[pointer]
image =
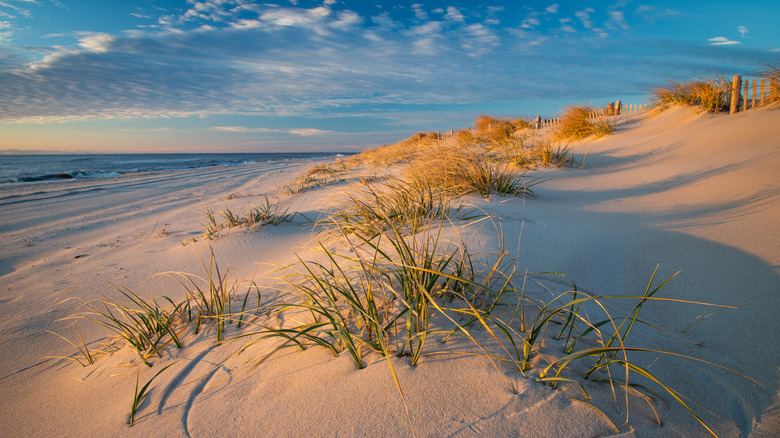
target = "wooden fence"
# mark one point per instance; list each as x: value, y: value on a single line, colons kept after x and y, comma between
x: 613, y: 109
x: 751, y: 93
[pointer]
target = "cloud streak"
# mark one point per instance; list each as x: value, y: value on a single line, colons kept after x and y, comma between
x: 722, y: 41
x: 303, y: 132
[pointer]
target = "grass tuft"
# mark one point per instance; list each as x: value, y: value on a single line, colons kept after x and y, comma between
x: 267, y: 213
x: 146, y: 326
x: 772, y: 75
x: 209, y: 298
x: 83, y: 350
x: 371, y: 208
x: 706, y: 95
x: 576, y: 123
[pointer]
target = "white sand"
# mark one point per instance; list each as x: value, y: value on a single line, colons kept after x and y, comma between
x: 696, y: 194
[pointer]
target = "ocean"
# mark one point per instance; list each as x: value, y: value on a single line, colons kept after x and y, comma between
x: 34, y: 168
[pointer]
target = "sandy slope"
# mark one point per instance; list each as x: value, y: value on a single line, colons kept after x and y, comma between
x: 695, y: 194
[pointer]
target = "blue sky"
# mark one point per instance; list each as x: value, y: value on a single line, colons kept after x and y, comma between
x: 338, y: 75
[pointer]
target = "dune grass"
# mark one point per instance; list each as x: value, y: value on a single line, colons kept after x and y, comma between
x: 83, y: 350
x: 706, y: 95
x: 266, y: 213
x: 369, y: 209
x: 143, y: 324
x: 210, y: 298
x: 576, y: 123
x: 385, y: 290
x: 402, y: 290
x: 461, y: 169
x: 772, y: 75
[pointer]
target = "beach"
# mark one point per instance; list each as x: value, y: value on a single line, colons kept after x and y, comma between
x: 667, y: 192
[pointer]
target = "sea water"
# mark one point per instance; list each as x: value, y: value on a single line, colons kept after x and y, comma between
x: 33, y: 168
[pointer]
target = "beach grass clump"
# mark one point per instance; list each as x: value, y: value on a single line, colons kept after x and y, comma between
x: 88, y: 356
x: 706, y: 95
x: 492, y: 130
x: 549, y: 155
x: 210, y: 298
x: 397, y: 153
x: 143, y: 324
x: 527, y: 151
x: 473, y: 175
x: 577, y: 123
x: 604, y: 125
x: 405, y: 203
x: 384, y: 291
x: 320, y: 175
x: 574, y: 123
x: 267, y: 213
x: 772, y: 75
x: 149, y: 327
x: 461, y: 169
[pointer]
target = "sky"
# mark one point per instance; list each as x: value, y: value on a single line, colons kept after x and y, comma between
x: 120, y: 76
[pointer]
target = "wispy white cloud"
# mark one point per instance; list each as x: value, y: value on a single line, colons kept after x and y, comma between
x: 566, y: 25
x: 552, y: 9
x: 584, y: 16
x: 385, y: 22
x: 96, y: 42
x: 303, y: 132
x: 722, y: 41
x: 419, y: 12
x: 530, y: 22
x: 14, y: 9
x: 617, y: 20
x: 453, y: 14
x: 479, y: 39
x: 743, y: 31
x: 6, y: 32
x: 296, y: 17
x: 346, y: 20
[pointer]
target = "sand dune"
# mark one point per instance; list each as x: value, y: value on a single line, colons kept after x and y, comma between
x: 699, y: 194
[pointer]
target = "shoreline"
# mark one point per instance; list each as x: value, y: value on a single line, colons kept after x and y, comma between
x: 101, y: 166
x: 695, y: 194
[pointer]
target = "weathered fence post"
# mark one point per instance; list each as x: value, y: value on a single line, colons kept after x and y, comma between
x: 538, y: 123
x: 745, y: 97
x: 763, y: 92
x: 735, y: 86
x: 618, y: 108
x: 755, y: 95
